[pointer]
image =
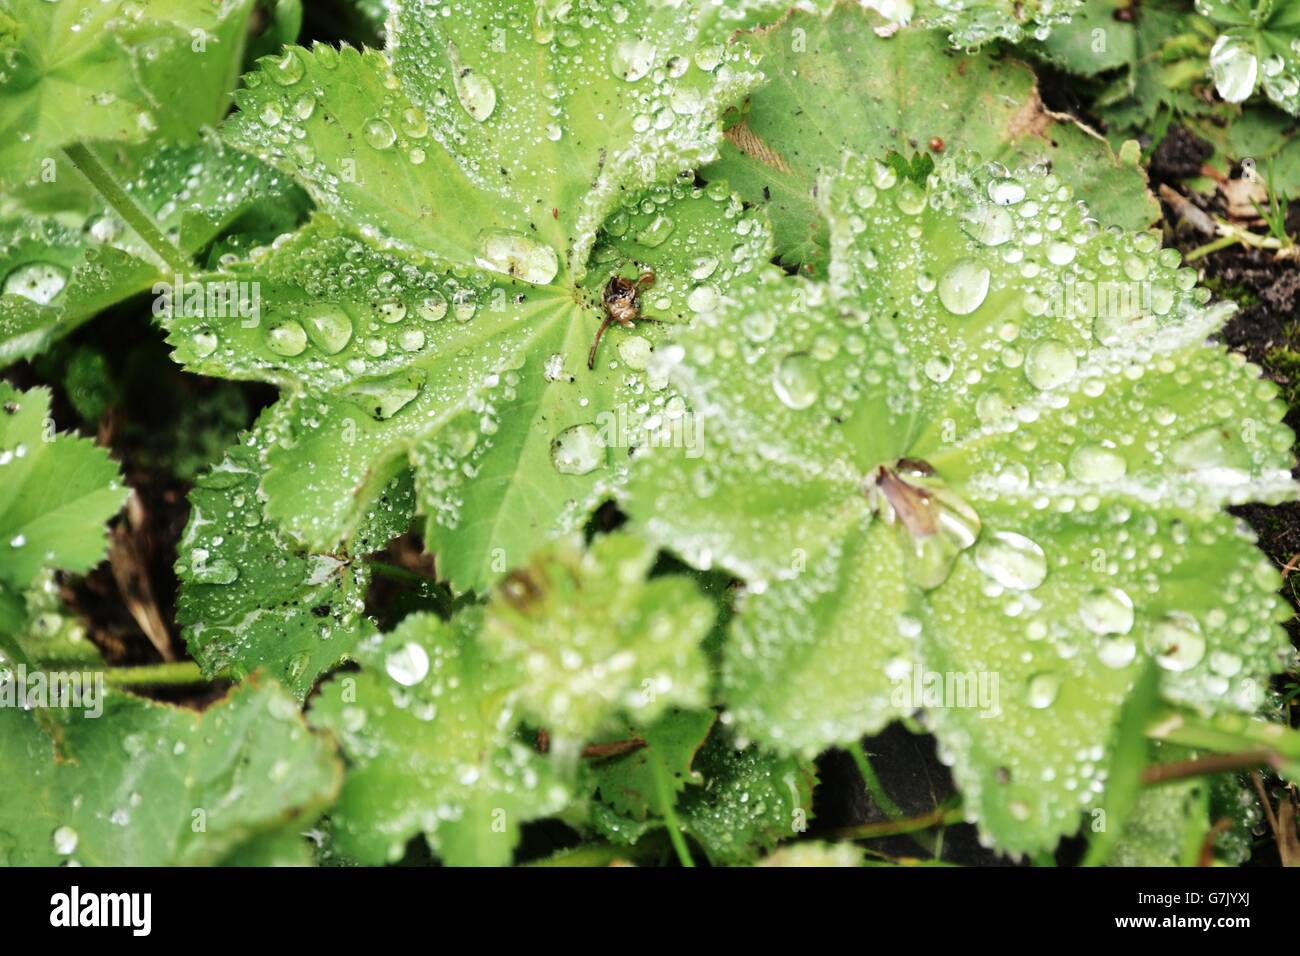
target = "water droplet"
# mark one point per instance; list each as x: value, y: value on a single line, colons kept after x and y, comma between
x: 329, y: 327
x: 635, y: 351
x: 408, y: 664
x: 382, y: 398
x: 1050, y: 363
x: 938, y: 368
x: 287, y: 338
x: 1006, y: 192
x: 219, y: 571
x: 379, y: 133
x: 38, y: 281
x: 1117, y: 652
x: 1043, y: 689
x: 703, y: 298
x: 578, y: 450
x: 287, y: 70
x: 517, y: 255
x: 964, y: 287
x: 1107, y: 611
x: 987, y: 224
x: 1012, y: 560
x: 434, y: 307
x: 796, y: 382
x: 476, y: 93
x: 65, y: 840
x: 1097, y: 463
x: 1235, y: 68
x: 1218, y: 453
x: 632, y: 59
x: 464, y: 304
x: 1176, y: 642
x: 656, y: 232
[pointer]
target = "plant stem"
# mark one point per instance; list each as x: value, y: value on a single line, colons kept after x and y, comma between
x: 888, y: 806
x: 1232, y: 734
x: 938, y: 817
x: 1213, y: 246
x: 668, y: 800
x: 125, y: 206
x: 178, y: 674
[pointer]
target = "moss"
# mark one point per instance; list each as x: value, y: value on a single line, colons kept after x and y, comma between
x: 1282, y: 362
x: 1236, y: 292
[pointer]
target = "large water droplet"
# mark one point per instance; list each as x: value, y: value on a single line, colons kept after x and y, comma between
x: 1012, y: 560
x: 632, y: 59
x: 1176, y: 642
x: 219, y: 571
x: 796, y: 382
x: 1107, y: 611
x: 963, y: 288
x: 578, y: 450
x: 1043, y: 689
x: 1235, y: 68
x: 1218, y: 453
x: 516, y: 255
x: 1097, y: 463
x: 288, y: 338
x: 65, y: 840
x: 384, y: 397
x: 38, y: 281
x: 287, y: 70
x: 988, y: 224
x: 408, y: 664
x: 379, y: 133
x: 329, y: 327
x: 1050, y: 363
x: 476, y: 93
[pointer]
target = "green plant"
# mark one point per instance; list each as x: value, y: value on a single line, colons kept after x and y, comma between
x: 893, y: 384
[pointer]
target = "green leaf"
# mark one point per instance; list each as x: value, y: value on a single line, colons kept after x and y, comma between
x: 42, y: 629
x: 249, y: 599
x: 750, y: 799
x: 972, y: 23
x: 59, y: 490
x: 736, y: 803
x: 596, y: 643
x: 979, y: 472
x: 66, y: 255
x: 426, y: 726
x: 149, y: 784
x: 81, y: 70
x: 1256, y: 48
x: 637, y: 786
x: 461, y: 346
x: 821, y: 102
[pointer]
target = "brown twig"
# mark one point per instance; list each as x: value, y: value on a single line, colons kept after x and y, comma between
x: 1215, y: 763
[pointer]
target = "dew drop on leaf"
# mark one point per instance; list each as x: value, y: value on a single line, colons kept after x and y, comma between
x: 1011, y: 560
x: 65, y: 840
x: 1050, y: 363
x: 1043, y: 689
x: 329, y: 327
x: 632, y: 59
x: 578, y: 450
x: 1235, y: 68
x: 796, y: 382
x: 476, y: 93
x: 515, y: 255
x: 408, y: 664
x: 963, y: 288
x: 1176, y: 642
x: 288, y: 338
x: 38, y: 281
x: 1107, y: 611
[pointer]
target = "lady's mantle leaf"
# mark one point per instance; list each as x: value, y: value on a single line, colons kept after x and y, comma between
x: 982, y: 473
x: 595, y: 642
x: 148, y: 784
x: 56, y: 493
x: 83, y: 70
x: 1259, y: 46
x: 487, y: 156
x: 836, y: 85
x: 735, y: 803
x: 65, y: 256
x: 250, y: 600
x: 427, y: 726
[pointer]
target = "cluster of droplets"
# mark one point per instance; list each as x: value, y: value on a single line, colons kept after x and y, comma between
x: 972, y: 23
